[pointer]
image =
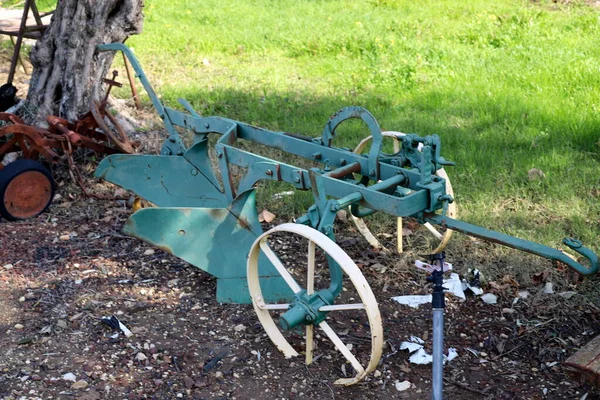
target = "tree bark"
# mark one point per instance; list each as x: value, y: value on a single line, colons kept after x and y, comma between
x: 67, y: 69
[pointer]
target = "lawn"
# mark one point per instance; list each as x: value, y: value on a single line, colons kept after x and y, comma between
x: 508, y: 85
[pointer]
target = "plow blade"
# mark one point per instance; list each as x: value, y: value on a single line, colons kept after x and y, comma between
x: 165, y: 181
x: 216, y: 240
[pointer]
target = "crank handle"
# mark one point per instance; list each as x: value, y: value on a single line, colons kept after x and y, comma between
x: 577, y: 246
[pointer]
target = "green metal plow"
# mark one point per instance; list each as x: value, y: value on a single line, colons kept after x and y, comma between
x: 212, y: 223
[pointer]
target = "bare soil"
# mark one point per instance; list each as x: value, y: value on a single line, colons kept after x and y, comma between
x: 61, y: 272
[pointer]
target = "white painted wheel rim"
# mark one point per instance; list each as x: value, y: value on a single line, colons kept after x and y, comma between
x: 369, y: 303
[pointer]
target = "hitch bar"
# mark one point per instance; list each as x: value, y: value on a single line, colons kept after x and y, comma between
x: 524, y: 245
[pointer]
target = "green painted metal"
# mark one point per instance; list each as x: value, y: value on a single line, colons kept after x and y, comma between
x: 212, y: 224
x: 525, y: 245
x: 305, y: 309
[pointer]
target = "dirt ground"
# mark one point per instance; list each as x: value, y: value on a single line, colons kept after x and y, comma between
x: 61, y: 272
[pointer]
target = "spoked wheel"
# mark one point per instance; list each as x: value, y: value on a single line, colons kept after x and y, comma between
x: 309, y: 309
x: 442, y: 237
x: 118, y: 137
x: 26, y: 189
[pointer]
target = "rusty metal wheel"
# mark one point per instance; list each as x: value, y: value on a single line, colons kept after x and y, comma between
x: 26, y: 189
x: 118, y: 137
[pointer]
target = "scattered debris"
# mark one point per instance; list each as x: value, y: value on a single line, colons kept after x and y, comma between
x: 413, y: 301
x: 266, y: 216
x: 114, y: 323
x: 489, y: 298
x: 419, y: 356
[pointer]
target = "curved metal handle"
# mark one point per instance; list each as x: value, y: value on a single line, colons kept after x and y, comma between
x: 360, y: 113
x: 577, y: 246
x: 524, y: 245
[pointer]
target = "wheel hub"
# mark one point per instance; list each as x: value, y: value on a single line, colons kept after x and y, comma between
x: 27, y: 194
x: 305, y: 309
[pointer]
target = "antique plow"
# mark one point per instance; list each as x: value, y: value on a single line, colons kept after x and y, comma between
x: 212, y: 223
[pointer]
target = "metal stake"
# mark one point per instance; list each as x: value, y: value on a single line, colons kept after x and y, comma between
x: 438, y: 304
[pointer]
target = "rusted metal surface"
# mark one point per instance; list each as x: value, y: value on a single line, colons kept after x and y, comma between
x: 90, y: 132
x: 28, y: 194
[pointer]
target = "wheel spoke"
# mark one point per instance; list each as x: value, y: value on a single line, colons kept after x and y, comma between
x: 433, y: 231
x: 343, y: 307
x: 260, y: 302
x: 279, y: 266
x: 310, y: 278
x: 309, y: 344
x: 341, y: 347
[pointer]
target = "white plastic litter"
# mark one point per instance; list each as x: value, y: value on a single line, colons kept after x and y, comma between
x: 548, y: 288
x: 489, y: 298
x: 420, y: 356
x: 567, y: 295
x: 413, y: 301
x: 453, y: 284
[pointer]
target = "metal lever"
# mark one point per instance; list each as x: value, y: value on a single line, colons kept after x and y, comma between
x: 524, y: 245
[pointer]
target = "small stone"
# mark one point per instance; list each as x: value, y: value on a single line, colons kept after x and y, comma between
x: 8, y: 266
x: 149, y: 252
x: 377, y: 373
x: 19, y: 327
x: 218, y: 374
x: 69, y: 377
x: 188, y: 382
x: 239, y: 328
x: 79, y: 385
x: 21, y: 299
x: 61, y: 323
x: 64, y: 238
x: 402, y: 386
x: 36, y: 378
x: 172, y: 283
x: 141, y: 356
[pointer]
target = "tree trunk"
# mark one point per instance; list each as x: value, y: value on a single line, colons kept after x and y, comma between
x: 67, y: 69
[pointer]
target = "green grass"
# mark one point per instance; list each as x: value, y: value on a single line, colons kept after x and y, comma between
x: 508, y: 85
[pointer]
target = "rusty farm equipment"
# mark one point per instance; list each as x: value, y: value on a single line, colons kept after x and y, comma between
x: 212, y: 223
x: 26, y: 185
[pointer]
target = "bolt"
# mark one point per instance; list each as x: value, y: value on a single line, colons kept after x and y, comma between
x: 372, y: 172
x: 308, y: 318
x: 297, y: 179
x: 269, y: 172
x: 172, y: 139
x: 335, y: 207
x: 342, y: 162
x: 219, y: 154
x: 194, y: 172
x: 207, y: 125
x: 180, y: 153
x: 317, y: 156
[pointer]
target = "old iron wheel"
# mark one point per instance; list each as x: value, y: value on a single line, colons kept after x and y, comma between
x: 452, y: 212
x: 368, y: 302
x: 118, y: 139
x: 26, y: 189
